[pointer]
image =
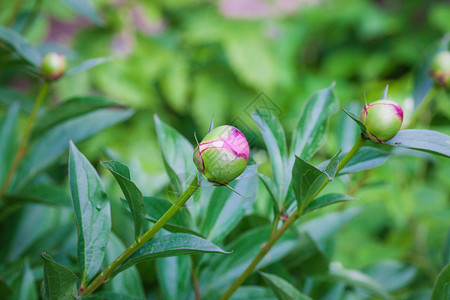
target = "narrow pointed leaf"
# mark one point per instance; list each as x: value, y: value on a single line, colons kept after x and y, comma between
x: 211, y: 125
x: 283, y: 289
x: 355, y: 118
x: 48, y: 147
x: 24, y: 287
x: 310, y: 132
x: 59, y: 282
x: 84, y: 8
x: 326, y: 200
x: 170, y: 245
x: 177, y: 155
x: 92, y: 211
x: 441, y: 289
x: 357, y: 279
x: 70, y: 109
x: 88, y: 64
x: 8, y: 128
x: 423, y: 140
x: 307, y: 179
x: 275, y: 141
x: 131, y: 192
x: 385, y: 92
x: 21, y: 46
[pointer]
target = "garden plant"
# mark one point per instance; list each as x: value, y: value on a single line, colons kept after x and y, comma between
x: 243, y: 211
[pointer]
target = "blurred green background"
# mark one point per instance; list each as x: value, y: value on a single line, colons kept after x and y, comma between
x: 186, y: 60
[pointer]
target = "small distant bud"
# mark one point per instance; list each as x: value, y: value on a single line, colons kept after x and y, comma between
x: 53, y: 66
x: 222, y: 155
x: 440, y: 69
x: 383, y: 119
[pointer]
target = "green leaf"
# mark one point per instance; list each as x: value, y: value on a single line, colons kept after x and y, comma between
x: 41, y: 193
x: 24, y: 287
x: 8, y: 133
x: 70, y: 109
x: 130, y: 191
x: 275, y: 140
x: 9, y: 96
x: 174, y: 276
x: 156, y: 208
x: 446, y: 250
x: 356, y: 119
x: 46, y: 149
x: 20, y: 46
x: 253, y: 292
x: 423, y: 140
x: 177, y: 154
x: 226, y: 208
x: 106, y: 295
x: 385, y: 92
x: 92, y: 212
x: 5, y: 290
x: 59, y: 282
x: 88, y: 64
x: 223, y: 270
x: 326, y: 200
x: 273, y: 191
x: 366, y: 158
x: 311, y: 130
x: 357, y: 279
x: 283, y: 289
x: 84, y: 8
x: 170, y: 245
x: 307, y: 179
x: 441, y: 288
x: 128, y: 282
x: 392, y: 275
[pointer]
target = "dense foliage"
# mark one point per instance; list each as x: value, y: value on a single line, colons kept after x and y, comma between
x: 111, y: 149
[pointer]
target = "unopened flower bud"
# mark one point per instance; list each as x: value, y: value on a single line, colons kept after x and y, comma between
x: 222, y: 155
x: 440, y: 69
x: 383, y: 119
x: 53, y: 66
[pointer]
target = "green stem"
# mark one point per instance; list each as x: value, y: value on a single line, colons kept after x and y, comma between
x: 422, y: 107
x: 274, y: 237
x: 21, y: 151
x: 15, y: 12
x: 103, y: 276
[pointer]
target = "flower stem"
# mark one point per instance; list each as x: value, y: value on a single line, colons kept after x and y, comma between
x: 103, y: 276
x: 423, y: 105
x: 21, y: 151
x: 274, y: 237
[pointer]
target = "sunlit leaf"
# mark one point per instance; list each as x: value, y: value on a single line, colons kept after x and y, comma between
x: 422, y: 139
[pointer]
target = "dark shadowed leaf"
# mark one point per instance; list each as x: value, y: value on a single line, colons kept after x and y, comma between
x: 84, y: 8
x: 283, y: 289
x: 42, y: 193
x: 446, y: 250
x: 422, y: 139
x: 128, y: 282
x: 177, y: 155
x: 10, y: 96
x: 92, y: 212
x: 170, y: 245
x: 441, y: 289
x: 307, y: 179
x: 131, y: 192
x: 5, y: 290
x: 59, y: 282
x: 21, y: 46
x: 70, y: 109
x: 310, y: 132
x: 326, y: 200
x: 46, y: 149
x: 8, y: 133
x: 88, y: 64
x: 275, y: 141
